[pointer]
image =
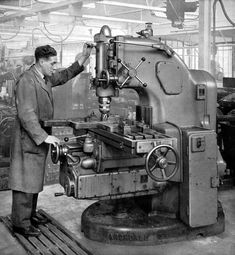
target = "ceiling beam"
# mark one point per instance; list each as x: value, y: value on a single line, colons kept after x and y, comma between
x: 128, y: 5
x: 107, y: 18
x: 12, y: 8
x: 41, y: 8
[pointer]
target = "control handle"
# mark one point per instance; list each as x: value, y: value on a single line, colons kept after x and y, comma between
x: 67, y: 139
x: 132, y: 72
x: 58, y: 194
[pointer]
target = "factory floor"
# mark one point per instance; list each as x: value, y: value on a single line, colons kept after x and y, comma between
x: 68, y: 212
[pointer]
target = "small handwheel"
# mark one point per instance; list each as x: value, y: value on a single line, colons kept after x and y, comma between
x: 59, y: 152
x: 55, y: 153
x: 162, y: 162
x: 105, y: 78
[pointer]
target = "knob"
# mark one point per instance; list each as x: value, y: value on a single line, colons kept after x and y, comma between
x: 66, y: 139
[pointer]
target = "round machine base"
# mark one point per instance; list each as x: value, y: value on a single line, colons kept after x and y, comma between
x: 124, y: 222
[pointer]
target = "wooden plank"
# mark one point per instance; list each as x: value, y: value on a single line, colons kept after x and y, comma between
x: 56, y: 240
x: 69, y: 233
x: 54, y: 249
x: 39, y: 246
x: 25, y: 243
x: 72, y: 244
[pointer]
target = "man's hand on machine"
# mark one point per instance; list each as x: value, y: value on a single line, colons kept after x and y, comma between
x: 86, y: 52
x: 52, y: 140
x: 87, y: 47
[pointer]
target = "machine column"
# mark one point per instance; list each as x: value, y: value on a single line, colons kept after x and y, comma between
x: 204, y: 62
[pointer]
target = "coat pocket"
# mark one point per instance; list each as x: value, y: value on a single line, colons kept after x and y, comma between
x: 28, y: 144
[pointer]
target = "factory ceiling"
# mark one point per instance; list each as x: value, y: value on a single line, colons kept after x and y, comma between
x: 27, y: 21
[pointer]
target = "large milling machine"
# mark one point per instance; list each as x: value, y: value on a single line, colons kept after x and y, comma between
x: 155, y: 177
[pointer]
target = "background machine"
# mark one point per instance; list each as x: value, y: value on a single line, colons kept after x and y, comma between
x: 155, y: 174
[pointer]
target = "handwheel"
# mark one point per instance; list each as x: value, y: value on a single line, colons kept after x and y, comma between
x: 105, y: 78
x: 59, y: 151
x: 55, y: 153
x: 162, y: 162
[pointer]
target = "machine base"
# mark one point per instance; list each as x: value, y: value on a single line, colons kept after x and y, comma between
x: 124, y: 222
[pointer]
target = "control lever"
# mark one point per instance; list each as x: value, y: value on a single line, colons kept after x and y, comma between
x: 73, y: 159
x: 132, y: 73
x: 58, y: 194
x: 66, y: 139
x: 67, y: 188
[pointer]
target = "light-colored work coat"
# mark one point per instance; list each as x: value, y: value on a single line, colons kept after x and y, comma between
x: 34, y: 104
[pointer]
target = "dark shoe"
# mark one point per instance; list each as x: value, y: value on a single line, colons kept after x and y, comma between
x: 38, y: 221
x: 28, y: 231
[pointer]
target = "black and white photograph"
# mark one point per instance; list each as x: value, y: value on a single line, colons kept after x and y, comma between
x: 117, y: 127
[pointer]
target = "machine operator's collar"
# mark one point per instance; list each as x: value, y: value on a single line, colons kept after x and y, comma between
x: 40, y: 73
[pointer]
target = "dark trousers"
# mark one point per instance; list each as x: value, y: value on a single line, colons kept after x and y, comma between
x: 23, y: 208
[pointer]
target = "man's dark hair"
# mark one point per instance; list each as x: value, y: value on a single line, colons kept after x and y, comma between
x: 45, y: 51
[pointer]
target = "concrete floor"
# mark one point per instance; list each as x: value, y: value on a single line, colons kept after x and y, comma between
x: 68, y: 212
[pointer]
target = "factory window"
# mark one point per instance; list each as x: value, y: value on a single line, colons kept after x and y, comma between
x: 224, y: 58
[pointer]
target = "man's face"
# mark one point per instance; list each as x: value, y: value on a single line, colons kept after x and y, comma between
x: 48, y: 66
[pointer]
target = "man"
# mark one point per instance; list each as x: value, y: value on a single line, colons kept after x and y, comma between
x: 34, y: 104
